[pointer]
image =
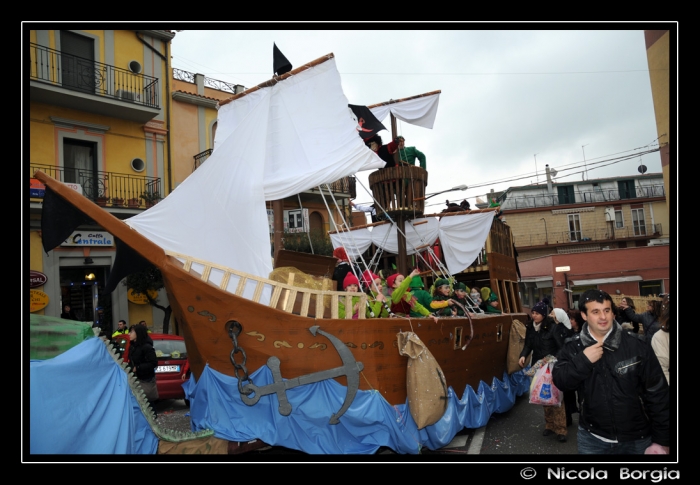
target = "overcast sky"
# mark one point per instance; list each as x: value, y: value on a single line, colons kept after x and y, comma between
x: 511, y: 102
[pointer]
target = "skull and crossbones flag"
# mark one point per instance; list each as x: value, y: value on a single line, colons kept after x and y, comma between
x: 367, y: 124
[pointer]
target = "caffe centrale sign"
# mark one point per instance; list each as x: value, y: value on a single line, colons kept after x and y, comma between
x: 36, y: 279
x: 139, y: 298
x: 37, y: 300
x: 89, y: 238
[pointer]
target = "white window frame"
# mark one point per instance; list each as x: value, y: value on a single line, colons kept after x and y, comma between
x: 621, y: 223
x: 639, y: 225
x: 576, y: 220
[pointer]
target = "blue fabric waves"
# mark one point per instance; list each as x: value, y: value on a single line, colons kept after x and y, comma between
x: 370, y: 422
x: 80, y: 403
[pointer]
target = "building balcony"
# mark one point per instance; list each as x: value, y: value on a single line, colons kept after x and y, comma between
x: 201, y: 157
x: 69, y: 81
x: 597, y: 235
x: 344, y: 188
x: 108, y: 189
x: 587, y: 197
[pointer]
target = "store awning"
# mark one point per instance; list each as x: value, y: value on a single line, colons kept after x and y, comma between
x: 602, y: 281
x: 535, y: 279
x: 540, y: 281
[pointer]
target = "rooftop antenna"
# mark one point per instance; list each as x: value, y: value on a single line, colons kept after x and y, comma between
x: 585, y: 168
x: 536, y: 174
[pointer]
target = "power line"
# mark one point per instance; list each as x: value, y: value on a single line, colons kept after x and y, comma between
x: 598, y: 164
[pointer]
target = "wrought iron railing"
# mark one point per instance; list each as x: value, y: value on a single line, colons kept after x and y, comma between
x: 109, y: 188
x: 92, y: 77
x: 201, y: 157
x: 546, y: 200
x: 599, y: 234
x: 346, y: 186
x: 189, y: 77
x: 181, y: 75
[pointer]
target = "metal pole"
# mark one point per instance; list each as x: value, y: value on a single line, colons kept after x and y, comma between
x: 278, y: 225
x: 585, y: 168
x: 546, y: 236
x: 401, y: 257
x: 536, y: 174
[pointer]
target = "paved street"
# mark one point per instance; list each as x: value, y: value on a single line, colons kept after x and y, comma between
x: 516, y: 432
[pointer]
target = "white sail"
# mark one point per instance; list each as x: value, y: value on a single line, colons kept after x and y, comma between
x: 272, y: 143
x: 419, y: 111
x: 462, y: 238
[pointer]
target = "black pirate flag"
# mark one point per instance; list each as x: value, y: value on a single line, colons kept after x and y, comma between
x: 367, y: 124
x: 280, y: 64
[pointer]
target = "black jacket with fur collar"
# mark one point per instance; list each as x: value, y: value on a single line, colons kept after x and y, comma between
x: 622, y: 396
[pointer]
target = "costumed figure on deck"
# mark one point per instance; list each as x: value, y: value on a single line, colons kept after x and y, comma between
x: 442, y: 304
x: 403, y: 301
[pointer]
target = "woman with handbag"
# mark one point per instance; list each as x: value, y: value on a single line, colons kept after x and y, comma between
x: 143, y: 360
x: 545, y: 337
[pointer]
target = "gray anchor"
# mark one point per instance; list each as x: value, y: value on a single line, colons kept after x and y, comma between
x: 350, y: 368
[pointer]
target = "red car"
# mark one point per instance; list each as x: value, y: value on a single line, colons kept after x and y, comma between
x: 172, y: 357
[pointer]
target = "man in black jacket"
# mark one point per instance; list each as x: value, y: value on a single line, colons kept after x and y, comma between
x: 623, y: 394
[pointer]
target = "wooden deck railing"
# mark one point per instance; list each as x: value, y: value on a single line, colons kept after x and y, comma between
x: 305, y: 302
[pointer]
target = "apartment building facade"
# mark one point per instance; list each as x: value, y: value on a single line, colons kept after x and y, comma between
x: 99, y: 119
x: 590, y: 224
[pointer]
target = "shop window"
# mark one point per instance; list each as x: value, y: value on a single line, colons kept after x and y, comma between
x: 652, y: 287
x: 577, y: 291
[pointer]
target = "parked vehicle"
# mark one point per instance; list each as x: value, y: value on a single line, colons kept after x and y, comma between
x: 172, y: 357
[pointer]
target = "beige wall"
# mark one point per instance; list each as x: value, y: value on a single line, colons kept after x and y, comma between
x: 184, y: 141
x: 123, y: 141
x: 659, y: 75
x: 528, y: 228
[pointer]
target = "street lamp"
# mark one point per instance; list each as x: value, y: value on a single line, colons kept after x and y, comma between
x: 459, y: 187
x: 546, y: 237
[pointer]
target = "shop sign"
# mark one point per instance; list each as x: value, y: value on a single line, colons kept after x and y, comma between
x: 89, y: 238
x: 139, y: 298
x: 36, y: 279
x: 37, y: 189
x: 37, y: 300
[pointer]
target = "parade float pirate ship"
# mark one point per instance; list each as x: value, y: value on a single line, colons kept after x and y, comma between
x: 272, y: 361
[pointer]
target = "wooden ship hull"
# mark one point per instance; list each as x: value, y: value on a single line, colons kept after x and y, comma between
x: 469, y: 351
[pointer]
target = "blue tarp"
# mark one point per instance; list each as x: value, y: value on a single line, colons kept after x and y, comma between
x: 80, y: 403
x: 370, y: 422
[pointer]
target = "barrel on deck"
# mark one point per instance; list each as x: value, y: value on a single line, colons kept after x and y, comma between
x: 400, y: 190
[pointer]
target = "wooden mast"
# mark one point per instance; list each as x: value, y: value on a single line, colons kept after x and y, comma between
x: 401, y: 218
x: 401, y: 258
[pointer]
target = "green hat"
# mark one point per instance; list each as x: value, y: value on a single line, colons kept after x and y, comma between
x: 416, y: 282
x: 442, y: 282
x: 493, y: 297
x: 460, y: 286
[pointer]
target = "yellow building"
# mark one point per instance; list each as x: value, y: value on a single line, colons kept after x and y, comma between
x: 658, y: 52
x: 99, y: 118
